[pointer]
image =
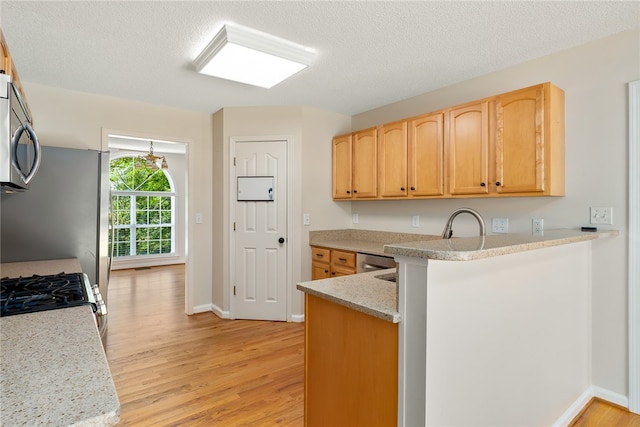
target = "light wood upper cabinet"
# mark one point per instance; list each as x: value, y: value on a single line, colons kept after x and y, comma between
x: 392, y: 165
x: 342, y: 165
x: 426, y: 155
x: 506, y: 145
x: 365, y: 164
x: 5, y: 60
x: 8, y: 67
x: 529, y: 141
x: 469, y: 149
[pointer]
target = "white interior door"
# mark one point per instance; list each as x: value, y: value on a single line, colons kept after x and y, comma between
x: 260, y: 289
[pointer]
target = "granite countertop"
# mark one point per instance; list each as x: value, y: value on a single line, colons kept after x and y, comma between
x: 53, y: 369
x: 365, y: 241
x: 470, y: 248
x: 366, y: 293
x: 362, y: 292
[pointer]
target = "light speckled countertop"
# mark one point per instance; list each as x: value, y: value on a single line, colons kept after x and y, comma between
x: 362, y: 292
x: 53, y: 369
x: 365, y: 241
x: 366, y: 293
x: 470, y: 248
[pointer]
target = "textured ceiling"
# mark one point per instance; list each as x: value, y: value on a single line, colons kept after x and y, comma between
x: 369, y: 53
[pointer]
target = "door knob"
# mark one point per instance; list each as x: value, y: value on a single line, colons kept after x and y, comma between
x: 281, y: 240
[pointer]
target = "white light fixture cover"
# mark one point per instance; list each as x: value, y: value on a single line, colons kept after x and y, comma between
x: 249, y: 56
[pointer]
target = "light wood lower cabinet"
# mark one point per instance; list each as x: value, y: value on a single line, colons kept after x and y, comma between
x: 351, y: 367
x: 327, y: 263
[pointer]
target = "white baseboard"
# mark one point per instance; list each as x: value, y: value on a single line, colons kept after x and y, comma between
x: 297, y: 318
x: 574, y: 409
x: 123, y: 264
x: 219, y: 312
x: 610, y: 396
x: 585, y: 398
x: 202, y: 308
x: 212, y: 308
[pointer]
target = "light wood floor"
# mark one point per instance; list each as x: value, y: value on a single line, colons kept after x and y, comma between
x: 176, y: 370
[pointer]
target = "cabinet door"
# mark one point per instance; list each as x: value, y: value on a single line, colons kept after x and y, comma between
x: 320, y: 271
x: 392, y: 164
x: 365, y: 164
x: 426, y: 147
x: 5, y: 60
x: 519, y: 143
x: 342, y: 164
x: 469, y: 149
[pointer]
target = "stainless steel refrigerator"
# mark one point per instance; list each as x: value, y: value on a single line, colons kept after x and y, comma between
x: 64, y: 214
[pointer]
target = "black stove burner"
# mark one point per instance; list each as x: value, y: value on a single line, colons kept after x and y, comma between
x: 38, y: 293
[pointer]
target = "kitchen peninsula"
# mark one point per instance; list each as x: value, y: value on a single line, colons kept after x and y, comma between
x: 54, y: 371
x: 491, y: 331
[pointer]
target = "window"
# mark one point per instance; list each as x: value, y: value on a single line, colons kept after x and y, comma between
x: 143, y: 210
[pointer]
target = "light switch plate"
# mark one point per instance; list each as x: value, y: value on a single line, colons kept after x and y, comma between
x: 415, y: 221
x: 354, y: 218
x: 500, y: 225
x: 306, y: 219
x: 599, y: 215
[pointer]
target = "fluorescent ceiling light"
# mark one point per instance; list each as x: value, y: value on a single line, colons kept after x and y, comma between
x: 249, y: 56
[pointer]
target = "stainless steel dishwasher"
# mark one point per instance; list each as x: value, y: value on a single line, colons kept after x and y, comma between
x: 368, y: 262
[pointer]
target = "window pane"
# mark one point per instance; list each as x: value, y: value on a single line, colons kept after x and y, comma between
x: 154, y: 217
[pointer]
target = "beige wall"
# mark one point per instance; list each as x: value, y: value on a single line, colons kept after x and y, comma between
x: 594, y: 78
x: 310, y: 132
x: 71, y: 119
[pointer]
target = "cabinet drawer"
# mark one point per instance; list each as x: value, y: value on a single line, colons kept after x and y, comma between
x: 320, y: 255
x: 344, y: 259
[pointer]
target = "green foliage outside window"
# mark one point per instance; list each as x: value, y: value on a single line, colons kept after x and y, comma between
x: 143, y: 222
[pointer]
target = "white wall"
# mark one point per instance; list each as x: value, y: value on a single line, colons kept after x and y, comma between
x: 594, y: 78
x: 508, y: 337
x: 310, y: 132
x: 72, y: 119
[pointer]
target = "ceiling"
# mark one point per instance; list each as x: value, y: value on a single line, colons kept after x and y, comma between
x: 369, y: 53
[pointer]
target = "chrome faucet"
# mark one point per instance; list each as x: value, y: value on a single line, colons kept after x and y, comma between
x: 448, y: 232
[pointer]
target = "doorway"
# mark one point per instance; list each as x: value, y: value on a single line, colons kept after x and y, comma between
x: 259, y: 255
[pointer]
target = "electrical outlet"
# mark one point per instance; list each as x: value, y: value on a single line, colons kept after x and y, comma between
x: 415, y: 221
x: 306, y: 219
x: 354, y: 218
x: 198, y: 218
x: 500, y: 225
x: 537, y: 226
x: 601, y: 216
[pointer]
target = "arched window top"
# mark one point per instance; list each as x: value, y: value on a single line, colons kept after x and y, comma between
x: 125, y: 177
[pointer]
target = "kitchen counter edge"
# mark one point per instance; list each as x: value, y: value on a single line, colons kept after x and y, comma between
x: 363, y: 292
x: 472, y: 248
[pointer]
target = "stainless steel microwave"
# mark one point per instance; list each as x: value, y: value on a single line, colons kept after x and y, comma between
x: 19, y: 148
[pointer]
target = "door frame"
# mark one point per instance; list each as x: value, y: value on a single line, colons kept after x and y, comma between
x: 188, y: 231
x: 634, y: 247
x: 233, y: 140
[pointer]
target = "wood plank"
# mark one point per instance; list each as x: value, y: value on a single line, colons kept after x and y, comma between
x: 600, y: 413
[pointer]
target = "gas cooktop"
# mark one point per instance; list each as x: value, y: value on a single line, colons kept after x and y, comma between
x: 38, y: 293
